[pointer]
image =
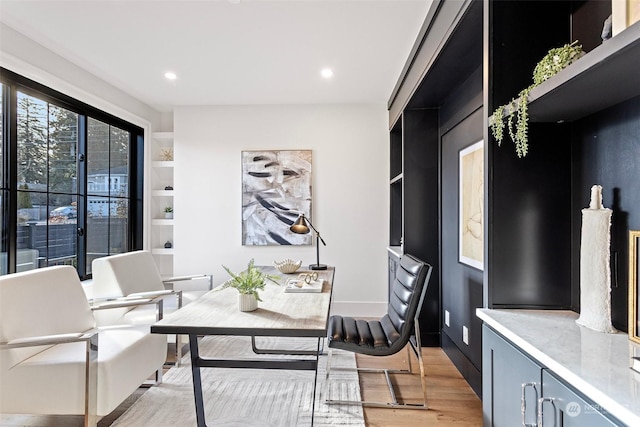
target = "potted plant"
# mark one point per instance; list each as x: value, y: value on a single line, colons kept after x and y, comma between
x: 168, y: 212
x: 518, y: 109
x: 248, y: 283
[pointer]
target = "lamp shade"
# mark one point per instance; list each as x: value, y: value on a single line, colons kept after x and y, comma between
x: 300, y: 226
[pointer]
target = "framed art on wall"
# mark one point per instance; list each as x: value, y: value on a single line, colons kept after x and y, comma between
x: 634, y: 285
x: 276, y: 188
x: 471, y: 205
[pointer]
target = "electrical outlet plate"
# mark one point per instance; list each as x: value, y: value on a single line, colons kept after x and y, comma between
x: 446, y: 318
x: 465, y: 335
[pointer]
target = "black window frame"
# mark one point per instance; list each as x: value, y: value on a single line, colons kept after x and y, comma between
x: 12, y: 83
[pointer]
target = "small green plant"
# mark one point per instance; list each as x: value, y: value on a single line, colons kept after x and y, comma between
x: 168, y: 209
x: 250, y: 281
x: 556, y: 60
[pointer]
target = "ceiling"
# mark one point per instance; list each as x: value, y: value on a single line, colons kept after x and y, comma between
x: 230, y: 52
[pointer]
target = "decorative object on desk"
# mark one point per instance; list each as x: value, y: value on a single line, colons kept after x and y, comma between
x: 276, y: 185
x: 595, y: 271
x: 248, y: 283
x: 634, y: 285
x: 287, y: 266
x: 168, y: 188
x: 471, y: 194
x: 168, y: 212
x: 168, y: 244
x: 518, y: 108
x: 166, y: 154
x: 301, y: 226
x: 305, y: 282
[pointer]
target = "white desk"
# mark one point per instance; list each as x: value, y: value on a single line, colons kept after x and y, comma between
x: 280, y: 314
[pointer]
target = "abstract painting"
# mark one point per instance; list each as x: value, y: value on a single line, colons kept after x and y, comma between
x: 276, y: 188
x: 471, y: 228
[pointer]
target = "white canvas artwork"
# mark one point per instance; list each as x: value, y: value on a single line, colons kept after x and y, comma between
x: 471, y: 241
x: 276, y: 187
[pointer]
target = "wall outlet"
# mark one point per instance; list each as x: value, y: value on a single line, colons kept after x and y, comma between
x: 465, y: 335
x: 446, y: 318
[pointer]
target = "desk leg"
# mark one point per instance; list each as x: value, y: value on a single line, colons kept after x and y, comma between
x: 197, y: 383
x: 315, y: 380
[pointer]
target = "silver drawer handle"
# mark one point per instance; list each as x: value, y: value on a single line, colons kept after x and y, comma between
x: 523, y: 403
x: 541, y: 409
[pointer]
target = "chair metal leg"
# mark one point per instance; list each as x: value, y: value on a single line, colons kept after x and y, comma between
x: 91, y: 383
x: 394, y: 402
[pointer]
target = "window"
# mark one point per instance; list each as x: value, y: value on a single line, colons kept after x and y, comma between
x: 71, y: 193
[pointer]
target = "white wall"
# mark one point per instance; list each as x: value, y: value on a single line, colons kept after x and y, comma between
x: 349, y: 189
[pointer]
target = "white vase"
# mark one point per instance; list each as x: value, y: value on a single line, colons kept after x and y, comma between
x: 168, y: 215
x: 247, y: 302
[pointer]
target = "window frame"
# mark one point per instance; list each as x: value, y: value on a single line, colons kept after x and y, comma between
x: 12, y: 83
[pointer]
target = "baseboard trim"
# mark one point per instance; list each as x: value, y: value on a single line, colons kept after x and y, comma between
x: 463, y: 364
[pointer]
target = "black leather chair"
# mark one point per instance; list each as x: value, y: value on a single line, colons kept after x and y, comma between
x: 388, y: 335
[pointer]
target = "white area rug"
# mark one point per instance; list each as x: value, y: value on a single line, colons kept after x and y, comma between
x: 249, y: 397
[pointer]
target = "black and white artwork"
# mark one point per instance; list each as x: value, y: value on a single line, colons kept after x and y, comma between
x: 276, y: 188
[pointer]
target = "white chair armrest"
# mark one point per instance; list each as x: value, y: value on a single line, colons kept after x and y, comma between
x: 153, y: 294
x: 166, y: 280
x: 47, y: 340
x: 120, y: 303
x: 180, y: 278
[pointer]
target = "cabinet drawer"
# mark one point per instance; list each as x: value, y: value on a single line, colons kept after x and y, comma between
x: 561, y: 406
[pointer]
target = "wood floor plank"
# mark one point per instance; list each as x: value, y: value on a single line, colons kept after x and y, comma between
x: 450, y: 399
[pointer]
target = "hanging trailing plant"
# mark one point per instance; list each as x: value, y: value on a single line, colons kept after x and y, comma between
x: 556, y: 60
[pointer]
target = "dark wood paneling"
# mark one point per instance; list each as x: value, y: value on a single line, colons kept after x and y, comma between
x: 529, y: 221
x: 461, y: 284
x: 471, y: 373
x: 421, y: 208
x: 520, y: 35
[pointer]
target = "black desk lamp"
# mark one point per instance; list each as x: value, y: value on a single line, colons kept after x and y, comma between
x: 301, y: 226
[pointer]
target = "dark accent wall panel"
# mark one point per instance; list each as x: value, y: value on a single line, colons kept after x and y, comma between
x: 521, y: 33
x: 461, y: 284
x: 606, y: 151
x: 421, y: 208
x: 530, y: 221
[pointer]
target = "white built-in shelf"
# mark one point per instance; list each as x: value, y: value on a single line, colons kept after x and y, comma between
x: 162, y: 251
x: 162, y: 193
x: 168, y: 136
x: 162, y: 163
x: 162, y: 221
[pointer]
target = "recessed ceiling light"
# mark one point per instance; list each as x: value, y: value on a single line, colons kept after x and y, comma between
x: 327, y: 73
x: 169, y: 75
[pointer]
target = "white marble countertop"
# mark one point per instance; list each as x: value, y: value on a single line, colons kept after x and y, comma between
x: 595, y: 363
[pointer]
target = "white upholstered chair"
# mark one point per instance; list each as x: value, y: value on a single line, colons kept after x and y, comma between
x: 135, y: 274
x: 53, y: 358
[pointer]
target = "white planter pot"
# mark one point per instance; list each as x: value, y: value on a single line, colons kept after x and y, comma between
x: 168, y: 215
x: 247, y: 302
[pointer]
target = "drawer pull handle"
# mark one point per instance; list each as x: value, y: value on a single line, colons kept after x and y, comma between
x: 541, y: 402
x: 523, y: 403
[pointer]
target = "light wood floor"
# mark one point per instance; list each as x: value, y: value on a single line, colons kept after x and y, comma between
x: 450, y: 399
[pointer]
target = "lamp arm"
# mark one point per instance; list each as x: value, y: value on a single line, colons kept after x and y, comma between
x: 317, y: 232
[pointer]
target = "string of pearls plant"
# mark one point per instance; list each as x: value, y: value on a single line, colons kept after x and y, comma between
x: 518, y: 108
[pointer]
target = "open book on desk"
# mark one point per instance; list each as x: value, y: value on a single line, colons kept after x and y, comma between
x: 300, y: 285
